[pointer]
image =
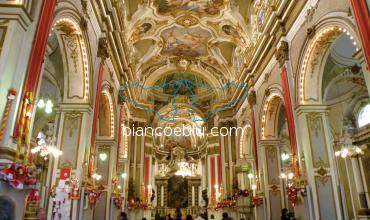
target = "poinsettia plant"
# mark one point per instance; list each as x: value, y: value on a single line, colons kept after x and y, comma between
x: 19, y: 176
x: 293, y: 195
x: 134, y: 204
x: 117, y: 202
x: 93, y: 196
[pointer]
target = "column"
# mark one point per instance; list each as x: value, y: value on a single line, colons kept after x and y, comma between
x: 16, y: 41
x: 273, y: 183
x: 32, y: 79
x: 320, y: 162
x: 73, y: 137
x: 282, y: 55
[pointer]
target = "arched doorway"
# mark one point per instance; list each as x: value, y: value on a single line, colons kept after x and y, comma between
x: 331, y: 84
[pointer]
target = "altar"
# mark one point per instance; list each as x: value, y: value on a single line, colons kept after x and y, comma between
x: 178, y: 193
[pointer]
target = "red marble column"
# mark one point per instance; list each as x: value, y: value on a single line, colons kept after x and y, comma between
x: 119, y: 136
x: 95, y: 119
x: 219, y: 167
x: 37, y: 56
x: 254, y: 140
x: 290, y: 120
x: 213, y: 178
x: 146, y: 176
x: 362, y: 16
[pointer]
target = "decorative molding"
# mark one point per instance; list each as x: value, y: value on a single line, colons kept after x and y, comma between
x: 252, y: 98
x: 103, y: 48
x: 282, y: 53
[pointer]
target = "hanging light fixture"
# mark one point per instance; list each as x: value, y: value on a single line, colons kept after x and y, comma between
x: 45, y: 148
x: 96, y: 176
x: 48, y: 106
x: 103, y: 156
x: 41, y: 103
x: 184, y: 169
x: 284, y: 156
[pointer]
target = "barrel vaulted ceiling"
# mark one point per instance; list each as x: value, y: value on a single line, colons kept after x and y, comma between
x: 221, y: 40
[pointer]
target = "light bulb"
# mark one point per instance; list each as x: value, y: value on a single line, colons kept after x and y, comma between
x: 284, y: 156
x: 254, y: 187
x: 48, y: 110
x: 41, y: 103
x: 103, y: 156
x: 290, y: 176
x: 250, y: 175
x: 49, y: 104
x: 124, y: 175
x: 283, y: 176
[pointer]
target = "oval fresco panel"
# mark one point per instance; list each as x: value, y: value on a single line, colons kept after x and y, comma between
x: 185, y: 42
x: 199, y: 7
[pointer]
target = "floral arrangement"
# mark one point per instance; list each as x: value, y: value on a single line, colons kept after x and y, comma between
x: 53, y: 191
x: 257, y: 201
x: 293, y: 195
x: 117, y: 202
x: 19, y: 176
x: 240, y: 193
x: 33, y: 196
x: 225, y: 204
x: 94, y: 196
x: 132, y: 204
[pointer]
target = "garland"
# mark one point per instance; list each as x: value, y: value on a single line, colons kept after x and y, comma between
x: 132, y: 204
x: 240, y: 193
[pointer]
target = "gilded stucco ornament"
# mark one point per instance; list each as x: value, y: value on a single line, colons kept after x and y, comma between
x: 252, y: 98
x: 103, y: 48
x: 282, y: 53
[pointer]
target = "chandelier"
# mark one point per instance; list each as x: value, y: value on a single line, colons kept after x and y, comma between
x: 346, y: 143
x: 185, y: 169
x: 45, y: 148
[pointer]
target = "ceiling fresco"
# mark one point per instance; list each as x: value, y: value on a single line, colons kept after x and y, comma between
x: 216, y: 40
x: 185, y: 42
x: 199, y: 7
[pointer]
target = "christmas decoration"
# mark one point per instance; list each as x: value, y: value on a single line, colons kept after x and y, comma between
x: 61, y: 201
x: 240, y: 193
x: 118, y: 202
x: 132, y: 204
x: 75, y: 191
x: 34, y: 196
x: 256, y: 201
x: 225, y: 204
x: 94, y: 196
x: 52, y: 191
x: 19, y: 176
x: 293, y: 195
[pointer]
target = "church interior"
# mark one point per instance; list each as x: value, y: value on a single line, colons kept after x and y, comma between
x: 184, y: 109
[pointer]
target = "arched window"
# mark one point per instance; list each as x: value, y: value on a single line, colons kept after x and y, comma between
x: 364, y: 116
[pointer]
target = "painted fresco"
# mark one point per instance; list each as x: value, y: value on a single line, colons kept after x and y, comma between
x: 207, y: 7
x: 177, y: 192
x: 185, y: 42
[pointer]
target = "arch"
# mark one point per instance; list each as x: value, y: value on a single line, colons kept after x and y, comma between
x: 246, y: 144
x: 314, y: 55
x: 270, y: 113
x: 75, y: 58
x: 106, y: 109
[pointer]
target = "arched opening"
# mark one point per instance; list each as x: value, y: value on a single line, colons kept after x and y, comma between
x: 332, y: 80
